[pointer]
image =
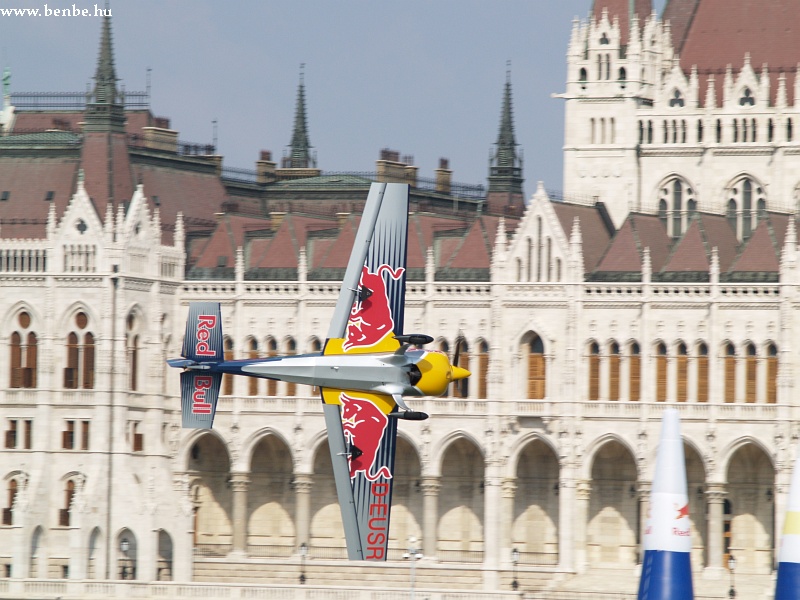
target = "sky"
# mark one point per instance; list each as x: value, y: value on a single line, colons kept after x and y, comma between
x: 423, y: 77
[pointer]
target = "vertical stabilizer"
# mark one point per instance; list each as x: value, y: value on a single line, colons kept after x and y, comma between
x: 666, y: 569
x: 788, y: 585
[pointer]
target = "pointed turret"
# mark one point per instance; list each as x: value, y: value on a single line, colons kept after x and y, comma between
x: 105, y: 105
x: 505, y: 166
x: 300, y: 155
x: 667, y: 569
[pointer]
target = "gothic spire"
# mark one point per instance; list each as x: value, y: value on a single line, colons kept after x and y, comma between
x: 105, y: 86
x: 300, y: 156
x: 505, y: 171
x: 105, y: 105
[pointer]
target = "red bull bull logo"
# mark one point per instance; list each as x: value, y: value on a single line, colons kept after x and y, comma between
x: 363, y: 425
x: 371, y: 319
x: 205, y: 323
x: 199, y: 404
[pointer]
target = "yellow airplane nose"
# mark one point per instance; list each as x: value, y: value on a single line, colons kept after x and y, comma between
x: 457, y: 373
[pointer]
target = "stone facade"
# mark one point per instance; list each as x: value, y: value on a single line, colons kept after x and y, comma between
x: 550, y: 447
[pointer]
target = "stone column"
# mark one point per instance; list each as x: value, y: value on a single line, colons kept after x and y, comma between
x: 239, y: 483
x: 582, y: 495
x: 430, y: 520
x: 302, y: 498
x: 508, y: 494
x: 491, y: 520
x: 715, y: 495
x: 567, y: 526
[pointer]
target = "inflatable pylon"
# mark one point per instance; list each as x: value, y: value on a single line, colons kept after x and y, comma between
x: 787, y: 587
x: 667, y: 568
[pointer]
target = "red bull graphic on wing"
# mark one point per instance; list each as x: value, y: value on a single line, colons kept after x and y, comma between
x: 371, y: 320
x: 364, y: 425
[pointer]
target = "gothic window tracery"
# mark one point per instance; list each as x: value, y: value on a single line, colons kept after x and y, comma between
x: 661, y: 372
x: 614, y: 361
x: 23, y: 349
x: 594, y: 371
x: 677, y: 99
x: 634, y: 372
x: 79, y: 372
x: 747, y: 205
x: 747, y: 98
x: 702, y: 373
x: 676, y: 205
x: 537, y: 375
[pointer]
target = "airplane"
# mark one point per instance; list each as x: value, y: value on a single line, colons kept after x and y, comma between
x: 365, y: 370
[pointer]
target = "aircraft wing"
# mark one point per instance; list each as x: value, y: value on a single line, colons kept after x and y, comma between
x: 368, y: 313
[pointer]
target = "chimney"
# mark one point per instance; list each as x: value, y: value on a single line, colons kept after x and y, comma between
x: 444, y: 176
x: 392, y: 169
x: 265, y: 167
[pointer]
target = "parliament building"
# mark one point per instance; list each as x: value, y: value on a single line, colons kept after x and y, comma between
x: 666, y: 273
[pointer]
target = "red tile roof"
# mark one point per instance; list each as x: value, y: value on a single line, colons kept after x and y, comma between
x: 690, y: 252
x: 722, y: 31
x: 759, y: 253
x: 27, y: 181
x: 594, y: 230
x: 622, y: 255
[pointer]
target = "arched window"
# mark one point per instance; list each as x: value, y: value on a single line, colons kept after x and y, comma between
x: 272, y: 350
x: 747, y: 201
x: 602, y: 131
x: 461, y: 387
x: 746, y: 205
x: 751, y: 369
x: 613, y: 371
x: 612, y: 133
x: 719, y: 131
x: 682, y: 372
x: 65, y: 513
x: 622, y: 78
x: 252, y: 352
x: 529, y: 260
x: 754, y: 130
x: 661, y: 372
x: 483, y: 368
x: 227, y: 378
x: 772, y: 374
x: 132, y: 346
x: 634, y: 372
x: 79, y: 372
x: 649, y: 132
x: 789, y: 130
x: 291, y: 350
x: 23, y: 351
x: 770, y: 130
x: 699, y: 131
x: 641, y: 133
x: 594, y: 371
x: 549, y: 259
x: 582, y: 78
x: 702, y: 373
x: 676, y: 205
x: 8, y: 516
x: 536, y: 368
x: 539, y: 246
x: 729, y: 361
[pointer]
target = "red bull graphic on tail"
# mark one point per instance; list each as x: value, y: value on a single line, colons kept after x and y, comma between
x: 371, y: 320
x: 364, y: 425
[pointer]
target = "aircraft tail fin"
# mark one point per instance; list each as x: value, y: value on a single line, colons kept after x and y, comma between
x: 202, y: 350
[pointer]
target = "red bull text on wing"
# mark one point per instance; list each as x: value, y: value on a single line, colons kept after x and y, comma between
x: 205, y: 323
x: 199, y: 404
x: 371, y: 319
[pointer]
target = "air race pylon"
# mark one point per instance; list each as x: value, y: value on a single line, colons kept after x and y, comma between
x: 667, y: 569
x: 788, y: 585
